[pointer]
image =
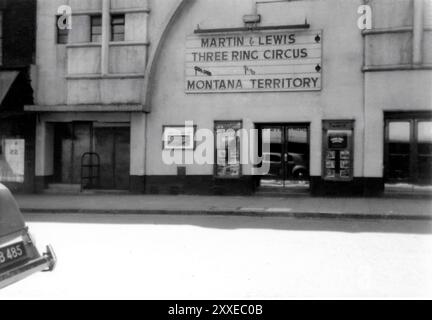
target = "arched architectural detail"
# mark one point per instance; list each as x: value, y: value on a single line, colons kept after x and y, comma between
x: 153, y: 60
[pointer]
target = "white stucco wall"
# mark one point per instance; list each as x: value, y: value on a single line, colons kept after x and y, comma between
x: 71, y: 74
x: 342, y: 90
x: 391, y: 91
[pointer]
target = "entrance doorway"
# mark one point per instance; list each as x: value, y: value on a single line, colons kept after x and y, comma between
x: 110, y: 141
x: 112, y: 146
x: 288, y: 157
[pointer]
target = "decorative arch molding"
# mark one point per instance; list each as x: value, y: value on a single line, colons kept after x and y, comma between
x: 154, y: 57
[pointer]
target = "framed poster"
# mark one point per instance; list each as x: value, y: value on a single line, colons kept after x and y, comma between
x: 227, y: 144
x: 178, y: 138
x: 338, y: 150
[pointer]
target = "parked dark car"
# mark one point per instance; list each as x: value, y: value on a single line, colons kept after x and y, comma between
x: 19, y: 258
x: 296, y: 165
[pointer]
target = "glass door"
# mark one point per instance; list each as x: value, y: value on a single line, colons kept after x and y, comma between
x: 424, y: 152
x: 398, y: 151
x: 274, y: 158
x: 296, y: 156
x: 288, y: 157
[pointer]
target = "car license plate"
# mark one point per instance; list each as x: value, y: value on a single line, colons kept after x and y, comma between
x: 11, y: 254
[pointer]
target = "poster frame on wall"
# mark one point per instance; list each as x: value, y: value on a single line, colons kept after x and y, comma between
x: 338, y: 154
x: 179, y: 131
x: 227, y: 124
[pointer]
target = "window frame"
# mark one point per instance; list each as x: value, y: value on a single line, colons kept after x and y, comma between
x: 92, y: 26
x: 61, y: 33
x: 114, y: 24
x: 413, y: 118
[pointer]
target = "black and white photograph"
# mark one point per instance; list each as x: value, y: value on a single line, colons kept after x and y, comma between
x: 215, y: 150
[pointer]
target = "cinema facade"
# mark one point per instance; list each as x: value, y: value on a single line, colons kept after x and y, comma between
x: 345, y: 110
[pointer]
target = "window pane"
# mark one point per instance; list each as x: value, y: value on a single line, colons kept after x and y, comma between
x: 424, y: 132
x: 424, y: 145
x: 118, y: 20
x: 118, y: 37
x: 96, y: 38
x: 399, y: 150
x: 96, y: 30
x: 118, y: 29
x: 399, y: 132
x: 62, y: 39
x: 96, y: 21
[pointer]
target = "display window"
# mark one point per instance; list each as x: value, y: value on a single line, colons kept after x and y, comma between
x: 227, y: 144
x: 338, y: 146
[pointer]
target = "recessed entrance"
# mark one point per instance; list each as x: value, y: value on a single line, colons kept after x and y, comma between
x: 109, y: 142
x: 288, y: 158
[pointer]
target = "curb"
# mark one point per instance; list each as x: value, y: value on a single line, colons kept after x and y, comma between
x: 237, y: 213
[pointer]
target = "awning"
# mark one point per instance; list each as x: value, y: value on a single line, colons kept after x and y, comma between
x: 7, y: 78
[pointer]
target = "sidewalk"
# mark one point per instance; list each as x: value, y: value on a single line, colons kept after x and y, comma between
x: 298, y: 207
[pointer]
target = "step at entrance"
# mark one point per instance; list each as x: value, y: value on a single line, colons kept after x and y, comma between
x: 63, y: 188
x: 284, y: 191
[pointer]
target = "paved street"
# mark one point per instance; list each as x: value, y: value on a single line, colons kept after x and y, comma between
x: 213, y: 257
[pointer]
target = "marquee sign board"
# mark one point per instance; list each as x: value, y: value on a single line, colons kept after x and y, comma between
x: 254, y: 62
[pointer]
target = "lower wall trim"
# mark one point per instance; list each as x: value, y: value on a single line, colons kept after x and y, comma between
x: 199, y: 185
x: 367, y: 187
x: 246, y: 185
x: 137, y: 184
x: 41, y: 183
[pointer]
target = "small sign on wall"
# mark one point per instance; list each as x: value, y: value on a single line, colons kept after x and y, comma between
x: 12, y: 160
x: 178, y: 138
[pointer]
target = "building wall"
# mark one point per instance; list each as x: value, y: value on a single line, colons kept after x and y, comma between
x: 341, y: 96
x: 77, y: 70
x: 82, y: 79
x: 394, y: 80
x: 364, y: 74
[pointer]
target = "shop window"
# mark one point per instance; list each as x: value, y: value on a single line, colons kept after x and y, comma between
x: 227, y: 164
x: 118, y: 27
x: 96, y: 28
x: 399, y: 148
x: 424, y: 149
x: 408, y: 149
